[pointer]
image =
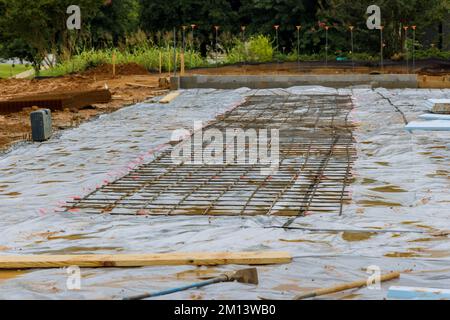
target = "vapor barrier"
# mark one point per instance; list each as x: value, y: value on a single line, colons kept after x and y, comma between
x: 400, y: 203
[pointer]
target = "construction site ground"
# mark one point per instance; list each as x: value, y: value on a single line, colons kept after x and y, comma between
x: 16, y: 126
x: 131, y: 85
x: 395, y: 216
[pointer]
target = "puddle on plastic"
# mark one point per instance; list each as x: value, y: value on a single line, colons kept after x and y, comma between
x: 198, y: 274
x: 71, y: 237
x: 419, y: 252
x: 388, y: 189
x: 357, y: 236
x: 437, y: 238
x: 81, y: 250
x: 305, y: 241
x: 289, y: 287
x: 12, y: 194
x: 352, y: 296
x: 378, y: 203
x: 367, y: 181
x: 11, y: 274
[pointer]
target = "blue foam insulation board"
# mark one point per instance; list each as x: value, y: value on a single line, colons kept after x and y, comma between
x: 435, y: 116
x: 432, y: 125
x: 415, y: 293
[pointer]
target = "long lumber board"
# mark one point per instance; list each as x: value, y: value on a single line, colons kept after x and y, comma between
x: 170, y: 97
x: 56, y: 101
x: 143, y: 260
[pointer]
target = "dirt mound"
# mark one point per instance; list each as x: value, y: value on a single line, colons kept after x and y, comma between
x: 121, y: 69
x: 21, y: 87
x: 434, y: 67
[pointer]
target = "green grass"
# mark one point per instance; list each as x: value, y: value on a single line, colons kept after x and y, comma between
x: 146, y: 56
x: 6, y: 70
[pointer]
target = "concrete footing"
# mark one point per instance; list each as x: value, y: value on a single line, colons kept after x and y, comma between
x: 286, y: 81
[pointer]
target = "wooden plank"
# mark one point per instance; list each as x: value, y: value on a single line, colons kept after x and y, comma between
x: 170, y: 97
x: 142, y: 260
x: 131, y: 84
x: 56, y: 101
x: 182, y: 69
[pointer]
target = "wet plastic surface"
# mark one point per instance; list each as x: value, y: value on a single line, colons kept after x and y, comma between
x: 402, y: 183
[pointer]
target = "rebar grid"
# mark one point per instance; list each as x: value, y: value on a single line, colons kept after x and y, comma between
x: 316, y: 152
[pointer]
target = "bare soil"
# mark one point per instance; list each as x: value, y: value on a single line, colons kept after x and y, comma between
x: 127, y: 88
x: 428, y: 67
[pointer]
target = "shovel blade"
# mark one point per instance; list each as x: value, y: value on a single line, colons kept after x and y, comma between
x: 246, y: 276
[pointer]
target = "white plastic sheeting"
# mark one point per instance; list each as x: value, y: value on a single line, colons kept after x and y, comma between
x: 401, y: 182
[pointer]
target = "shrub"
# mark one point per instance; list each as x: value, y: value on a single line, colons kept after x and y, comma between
x: 431, y: 53
x: 260, y: 49
x: 257, y: 49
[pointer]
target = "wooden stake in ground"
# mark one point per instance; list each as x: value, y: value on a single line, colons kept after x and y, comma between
x: 182, y: 64
x: 345, y: 286
x: 160, y: 62
x: 143, y: 260
x: 170, y: 59
x: 114, y: 64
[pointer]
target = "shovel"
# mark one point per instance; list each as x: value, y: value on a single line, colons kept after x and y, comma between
x: 242, y: 276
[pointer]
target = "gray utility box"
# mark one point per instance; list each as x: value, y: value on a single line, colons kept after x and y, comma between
x: 41, y: 125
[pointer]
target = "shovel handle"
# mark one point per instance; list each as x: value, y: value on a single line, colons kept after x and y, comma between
x: 345, y: 286
x: 183, y: 288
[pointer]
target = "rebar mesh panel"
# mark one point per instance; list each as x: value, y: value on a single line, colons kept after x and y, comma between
x: 316, y: 152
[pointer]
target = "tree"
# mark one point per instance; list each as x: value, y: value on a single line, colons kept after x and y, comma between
x: 33, y: 29
x: 259, y: 16
x: 262, y: 15
x: 395, y: 14
x: 162, y: 15
x: 114, y: 21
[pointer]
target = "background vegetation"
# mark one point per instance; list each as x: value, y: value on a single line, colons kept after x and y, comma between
x: 9, y: 70
x: 140, y: 30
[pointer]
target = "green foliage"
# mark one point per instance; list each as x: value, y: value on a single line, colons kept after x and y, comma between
x: 115, y: 21
x: 431, y: 53
x: 362, y: 56
x: 163, y: 15
x: 30, y: 30
x: 331, y: 56
x: 7, y: 70
x: 18, y: 48
x: 260, y: 49
x: 257, y: 49
x: 39, y: 26
x: 395, y: 14
x: 147, y: 57
x: 262, y: 15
